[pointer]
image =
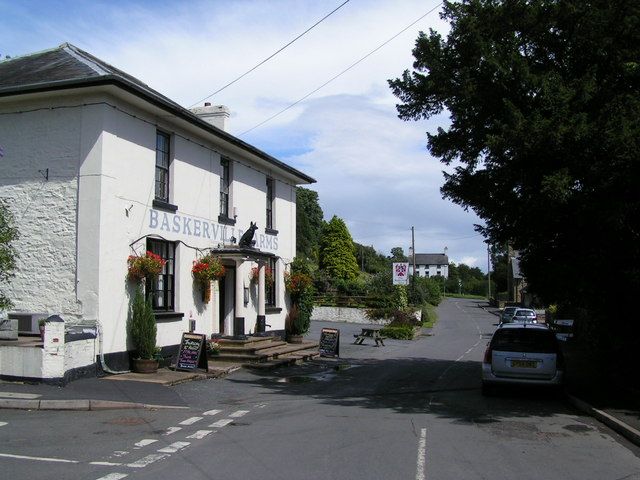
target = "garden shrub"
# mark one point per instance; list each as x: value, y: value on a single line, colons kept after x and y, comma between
x: 401, y: 332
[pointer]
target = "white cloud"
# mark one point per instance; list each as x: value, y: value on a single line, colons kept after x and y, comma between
x: 373, y: 170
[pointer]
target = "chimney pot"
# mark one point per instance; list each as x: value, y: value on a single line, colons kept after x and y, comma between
x: 207, y: 104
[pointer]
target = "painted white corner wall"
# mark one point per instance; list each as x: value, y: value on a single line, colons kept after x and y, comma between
x: 38, y: 142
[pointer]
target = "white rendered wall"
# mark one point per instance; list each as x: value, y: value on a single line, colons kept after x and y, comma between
x: 44, y: 210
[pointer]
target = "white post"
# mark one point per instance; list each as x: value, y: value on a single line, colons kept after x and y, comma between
x: 262, y: 298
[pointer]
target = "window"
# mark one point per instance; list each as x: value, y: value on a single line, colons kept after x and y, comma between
x: 270, y: 203
x: 270, y: 283
x: 225, y: 181
x: 162, y: 289
x: 163, y: 160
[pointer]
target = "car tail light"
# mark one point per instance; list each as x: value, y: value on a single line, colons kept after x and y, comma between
x: 487, y: 354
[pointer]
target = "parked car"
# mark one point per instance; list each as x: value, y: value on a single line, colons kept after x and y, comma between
x: 522, y: 354
x: 507, y: 314
x: 525, y: 315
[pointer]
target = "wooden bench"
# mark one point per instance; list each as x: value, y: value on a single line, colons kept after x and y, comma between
x: 373, y: 333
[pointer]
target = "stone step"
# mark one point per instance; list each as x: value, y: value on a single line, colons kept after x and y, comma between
x: 262, y: 355
x: 249, y: 342
x: 251, y: 348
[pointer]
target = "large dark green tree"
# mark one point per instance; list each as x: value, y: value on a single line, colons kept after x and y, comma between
x: 337, y: 253
x: 8, y: 234
x: 369, y: 260
x: 309, y: 221
x: 544, y: 138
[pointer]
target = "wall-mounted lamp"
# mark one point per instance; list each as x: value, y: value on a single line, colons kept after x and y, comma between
x: 235, y: 212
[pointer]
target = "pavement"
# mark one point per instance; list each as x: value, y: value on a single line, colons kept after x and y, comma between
x: 591, y: 390
x: 612, y: 404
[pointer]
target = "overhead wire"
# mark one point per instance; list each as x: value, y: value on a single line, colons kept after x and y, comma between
x: 273, y: 54
x: 343, y: 71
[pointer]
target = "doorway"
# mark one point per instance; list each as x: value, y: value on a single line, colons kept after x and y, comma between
x: 226, y: 287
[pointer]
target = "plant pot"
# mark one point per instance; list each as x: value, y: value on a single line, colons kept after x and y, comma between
x: 295, y: 338
x: 142, y: 365
x: 206, y: 292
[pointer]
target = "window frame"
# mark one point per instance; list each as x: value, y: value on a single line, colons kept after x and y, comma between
x: 166, y: 279
x: 270, y: 290
x: 225, y: 187
x: 270, y: 194
x: 163, y: 183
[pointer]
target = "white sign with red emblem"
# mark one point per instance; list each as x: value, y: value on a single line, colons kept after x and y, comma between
x: 400, y: 273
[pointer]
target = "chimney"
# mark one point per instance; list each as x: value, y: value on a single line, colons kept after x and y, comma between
x: 216, y: 115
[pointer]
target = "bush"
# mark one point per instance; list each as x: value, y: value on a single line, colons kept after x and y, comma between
x: 402, y: 332
x: 429, y: 315
x: 142, y: 326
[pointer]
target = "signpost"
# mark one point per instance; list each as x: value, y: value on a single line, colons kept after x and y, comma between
x: 192, y: 353
x: 401, y: 273
x: 329, y: 342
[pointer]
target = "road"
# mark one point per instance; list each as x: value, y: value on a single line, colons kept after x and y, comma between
x: 408, y: 410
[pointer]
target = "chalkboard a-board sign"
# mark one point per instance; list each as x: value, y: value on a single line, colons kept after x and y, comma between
x: 329, y: 342
x: 192, y: 353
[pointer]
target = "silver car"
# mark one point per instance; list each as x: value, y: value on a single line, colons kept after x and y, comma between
x: 525, y: 315
x: 522, y: 354
x: 507, y: 314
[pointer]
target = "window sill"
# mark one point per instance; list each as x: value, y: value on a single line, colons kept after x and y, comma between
x: 271, y: 231
x: 168, y: 316
x: 223, y: 219
x: 162, y: 205
x: 272, y: 310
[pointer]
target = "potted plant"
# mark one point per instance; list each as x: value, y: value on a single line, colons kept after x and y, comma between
x: 293, y: 327
x: 148, y: 265
x: 205, y: 270
x: 299, y: 286
x: 213, y: 348
x: 142, y: 331
x: 41, y: 326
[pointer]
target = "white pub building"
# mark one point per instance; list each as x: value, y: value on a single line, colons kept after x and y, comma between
x: 96, y: 166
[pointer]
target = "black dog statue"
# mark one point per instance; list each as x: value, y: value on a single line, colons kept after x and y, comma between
x: 247, y: 240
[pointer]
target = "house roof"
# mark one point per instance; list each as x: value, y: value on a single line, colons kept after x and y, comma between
x: 432, y: 259
x: 67, y: 67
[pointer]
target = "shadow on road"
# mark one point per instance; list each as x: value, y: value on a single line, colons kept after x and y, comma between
x: 408, y: 386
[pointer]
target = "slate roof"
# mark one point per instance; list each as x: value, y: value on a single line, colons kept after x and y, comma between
x: 432, y: 259
x: 67, y: 67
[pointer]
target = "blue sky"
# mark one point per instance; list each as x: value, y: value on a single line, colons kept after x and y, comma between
x: 373, y: 170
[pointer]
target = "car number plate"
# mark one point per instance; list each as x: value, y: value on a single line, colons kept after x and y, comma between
x: 523, y: 363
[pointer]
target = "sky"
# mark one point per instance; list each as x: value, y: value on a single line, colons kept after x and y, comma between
x: 373, y: 170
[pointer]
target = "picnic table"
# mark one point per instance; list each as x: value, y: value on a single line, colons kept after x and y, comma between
x: 373, y: 333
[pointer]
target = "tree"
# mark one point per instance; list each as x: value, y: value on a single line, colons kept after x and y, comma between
x: 309, y: 221
x: 397, y: 255
x: 543, y: 141
x: 369, y: 260
x: 8, y: 234
x: 337, y: 254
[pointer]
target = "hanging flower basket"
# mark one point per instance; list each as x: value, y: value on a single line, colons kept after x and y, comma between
x: 268, y: 275
x: 148, y: 265
x: 205, y: 270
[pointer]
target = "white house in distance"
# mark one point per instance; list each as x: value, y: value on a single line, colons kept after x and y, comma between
x: 97, y: 166
x: 430, y: 264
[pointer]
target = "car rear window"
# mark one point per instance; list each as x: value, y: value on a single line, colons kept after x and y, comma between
x: 525, y: 313
x: 524, y: 340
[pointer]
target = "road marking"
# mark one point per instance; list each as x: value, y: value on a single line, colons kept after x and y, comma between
x: 38, y: 459
x: 148, y: 460
x: 239, y: 413
x: 171, y: 430
x: 145, y: 442
x: 200, y: 434
x: 24, y: 396
x: 105, y: 464
x: 422, y: 453
x: 2, y: 424
x: 261, y: 405
x: 212, y: 412
x: 174, y: 447
x: 190, y: 421
x: 221, y: 423
x: 114, y: 476
x: 119, y: 453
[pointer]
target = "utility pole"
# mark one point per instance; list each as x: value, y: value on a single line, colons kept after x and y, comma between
x: 489, y: 271
x: 413, y: 251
